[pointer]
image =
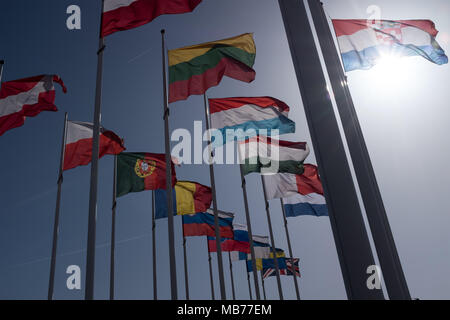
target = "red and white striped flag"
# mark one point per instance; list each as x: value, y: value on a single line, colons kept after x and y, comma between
x: 119, y: 15
x: 78, y: 151
x: 26, y: 98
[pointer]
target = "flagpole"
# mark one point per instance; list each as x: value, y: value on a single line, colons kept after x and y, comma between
x: 211, y: 280
x: 263, y: 286
x: 214, y: 198
x: 249, y: 229
x: 92, y: 220
x: 172, y: 262
x: 272, y: 240
x: 249, y: 285
x: 231, y: 276
x: 186, y: 279
x: 346, y: 219
x: 155, y: 284
x: 51, y: 283
x: 288, y: 238
x: 376, y: 214
x: 2, y: 62
x: 113, y: 233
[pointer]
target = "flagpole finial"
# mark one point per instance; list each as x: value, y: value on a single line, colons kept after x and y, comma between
x: 163, y: 31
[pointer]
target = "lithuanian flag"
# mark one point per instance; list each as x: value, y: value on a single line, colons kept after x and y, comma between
x: 195, y: 69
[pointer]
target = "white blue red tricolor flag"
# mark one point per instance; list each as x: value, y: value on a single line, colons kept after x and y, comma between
x: 363, y: 42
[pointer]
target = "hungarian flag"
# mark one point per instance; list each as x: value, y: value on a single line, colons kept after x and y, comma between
x: 195, y: 69
x: 243, y: 117
x: 203, y: 224
x: 121, y: 15
x: 266, y: 155
x: 282, y: 185
x: 141, y: 171
x: 362, y: 43
x: 78, y: 149
x: 188, y: 198
x: 26, y: 98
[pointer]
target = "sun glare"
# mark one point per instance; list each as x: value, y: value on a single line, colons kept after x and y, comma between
x: 391, y: 70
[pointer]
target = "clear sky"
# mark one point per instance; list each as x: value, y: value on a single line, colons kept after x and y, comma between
x: 402, y: 107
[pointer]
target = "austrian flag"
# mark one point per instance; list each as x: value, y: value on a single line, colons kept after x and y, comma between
x: 26, y: 98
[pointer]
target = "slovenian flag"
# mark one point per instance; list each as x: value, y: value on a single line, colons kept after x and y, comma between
x: 188, y: 198
x: 26, y: 98
x: 202, y: 224
x: 241, y: 118
x: 363, y: 42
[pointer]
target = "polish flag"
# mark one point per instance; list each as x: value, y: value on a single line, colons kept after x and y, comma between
x: 78, y: 151
x: 26, y: 98
x: 121, y: 15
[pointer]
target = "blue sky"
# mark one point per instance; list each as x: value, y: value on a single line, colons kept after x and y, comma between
x: 403, y: 109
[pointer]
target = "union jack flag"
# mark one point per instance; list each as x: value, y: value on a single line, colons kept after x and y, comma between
x: 289, y: 270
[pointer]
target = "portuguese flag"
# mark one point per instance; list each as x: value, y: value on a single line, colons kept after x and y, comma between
x: 195, y: 69
x: 265, y: 155
x: 141, y: 171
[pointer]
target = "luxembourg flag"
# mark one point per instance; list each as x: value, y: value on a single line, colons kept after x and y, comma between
x: 363, y: 42
x: 241, y: 118
x: 312, y: 204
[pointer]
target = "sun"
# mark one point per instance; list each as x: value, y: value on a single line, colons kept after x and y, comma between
x: 391, y: 70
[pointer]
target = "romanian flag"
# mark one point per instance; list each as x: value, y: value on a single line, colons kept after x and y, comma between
x: 121, y: 15
x: 202, y: 224
x: 362, y: 43
x: 141, y: 171
x: 188, y: 198
x: 195, y: 69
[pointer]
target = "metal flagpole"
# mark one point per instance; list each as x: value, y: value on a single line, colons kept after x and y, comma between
x: 249, y: 285
x: 173, y: 267
x: 186, y: 278
x: 2, y: 62
x: 113, y: 233
x: 394, y: 277
x: 231, y: 276
x: 211, y: 280
x: 249, y: 229
x: 288, y: 238
x: 51, y: 283
x: 214, y: 200
x: 272, y: 240
x: 92, y: 220
x: 350, y: 235
x: 155, y: 283
x: 263, y: 286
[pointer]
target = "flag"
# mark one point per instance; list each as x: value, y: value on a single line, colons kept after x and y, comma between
x: 121, y: 15
x: 287, y: 269
x: 264, y: 263
x: 283, y: 185
x: 260, y: 244
x: 78, y: 149
x: 241, y: 118
x: 266, y: 155
x: 195, y: 69
x: 202, y: 224
x: 237, y: 242
x: 141, y: 171
x: 362, y: 43
x: 188, y: 198
x: 26, y: 98
x: 312, y: 204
